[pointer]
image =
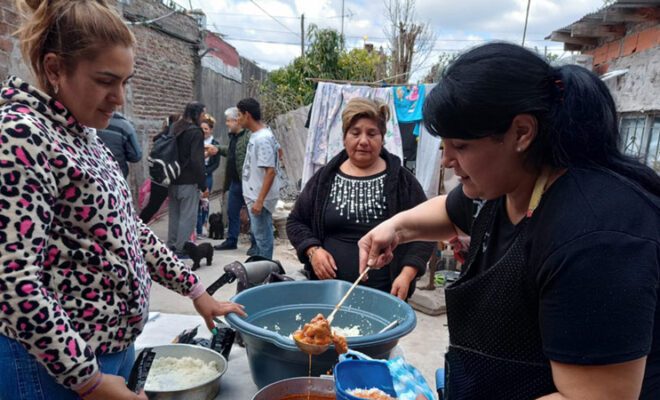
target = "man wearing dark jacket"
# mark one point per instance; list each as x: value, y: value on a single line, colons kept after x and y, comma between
x: 184, y: 193
x: 235, y: 153
x: 121, y: 139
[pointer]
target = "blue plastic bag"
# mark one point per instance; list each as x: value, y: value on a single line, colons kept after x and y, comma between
x: 408, y: 381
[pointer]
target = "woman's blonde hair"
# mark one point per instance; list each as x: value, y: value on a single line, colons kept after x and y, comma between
x: 361, y: 107
x: 71, y: 29
x: 208, y: 119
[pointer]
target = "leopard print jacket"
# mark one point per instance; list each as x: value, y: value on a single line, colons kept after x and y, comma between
x: 76, y: 264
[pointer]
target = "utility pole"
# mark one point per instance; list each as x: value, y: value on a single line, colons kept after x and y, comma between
x: 529, y: 2
x: 302, y: 35
x: 342, y: 24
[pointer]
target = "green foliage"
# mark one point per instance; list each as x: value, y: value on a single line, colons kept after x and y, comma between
x: 323, y: 54
x: 288, y: 88
x: 361, y: 65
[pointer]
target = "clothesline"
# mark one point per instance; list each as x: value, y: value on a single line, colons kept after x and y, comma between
x: 325, y: 137
x: 346, y: 82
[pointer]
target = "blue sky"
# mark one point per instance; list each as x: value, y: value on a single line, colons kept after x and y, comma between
x: 274, y: 41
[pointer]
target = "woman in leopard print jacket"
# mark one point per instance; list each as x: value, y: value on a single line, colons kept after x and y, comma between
x: 76, y: 264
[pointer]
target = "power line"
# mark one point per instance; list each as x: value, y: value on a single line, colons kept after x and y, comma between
x: 261, y: 41
x: 224, y: 14
x: 221, y: 27
x: 274, y: 19
x: 355, y: 46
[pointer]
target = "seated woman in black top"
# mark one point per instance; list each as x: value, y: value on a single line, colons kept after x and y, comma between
x: 558, y: 297
x: 358, y: 189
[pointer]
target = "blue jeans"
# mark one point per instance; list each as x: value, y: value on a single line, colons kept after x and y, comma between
x: 262, y: 228
x: 23, y: 378
x: 203, y: 215
x: 235, y: 202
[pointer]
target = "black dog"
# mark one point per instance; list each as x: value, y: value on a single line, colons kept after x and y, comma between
x: 216, y: 226
x: 197, y: 252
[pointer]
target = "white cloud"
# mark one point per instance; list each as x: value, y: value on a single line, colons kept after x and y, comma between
x: 457, y: 24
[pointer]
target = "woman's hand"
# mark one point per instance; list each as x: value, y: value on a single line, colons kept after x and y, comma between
x: 210, y: 149
x: 111, y: 387
x: 208, y: 307
x: 377, y: 246
x: 401, y: 284
x: 323, y: 264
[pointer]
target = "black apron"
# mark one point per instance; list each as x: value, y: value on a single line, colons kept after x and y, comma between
x: 495, y: 349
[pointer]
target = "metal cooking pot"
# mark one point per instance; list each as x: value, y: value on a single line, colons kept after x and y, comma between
x: 288, y: 387
x: 205, y: 391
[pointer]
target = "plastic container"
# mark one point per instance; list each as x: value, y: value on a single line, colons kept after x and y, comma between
x: 277, y: 310
x: 362, y: 374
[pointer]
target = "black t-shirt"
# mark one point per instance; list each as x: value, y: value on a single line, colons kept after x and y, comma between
x: 355, y: 206
x: 593, y: 251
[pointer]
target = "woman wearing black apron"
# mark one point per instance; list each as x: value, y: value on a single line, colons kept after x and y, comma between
x: 558, y: 297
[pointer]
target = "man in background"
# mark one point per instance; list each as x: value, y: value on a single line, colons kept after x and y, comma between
x: 260, y: 183
x: 120, y: 137
x: 233, y: 186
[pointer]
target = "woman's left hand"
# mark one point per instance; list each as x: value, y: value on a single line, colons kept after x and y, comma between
x: 401, y: 284
x: 208, y: 307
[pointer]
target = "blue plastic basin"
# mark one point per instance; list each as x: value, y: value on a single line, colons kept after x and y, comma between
x: 277, y: 310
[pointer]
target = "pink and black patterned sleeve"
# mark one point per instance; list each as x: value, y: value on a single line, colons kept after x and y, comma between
x: 165, y: 268
x: 29, y: 312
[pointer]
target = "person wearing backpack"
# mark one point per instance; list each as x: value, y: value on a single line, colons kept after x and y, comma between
x: 157, y: 190
x: 184, y: 192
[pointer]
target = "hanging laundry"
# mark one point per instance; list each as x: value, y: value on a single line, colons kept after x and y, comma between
x: 408, y: 103
x: 325, y: 137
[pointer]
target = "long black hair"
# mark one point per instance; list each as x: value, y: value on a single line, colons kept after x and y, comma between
x: 193, y: 112
x: 485, y: 88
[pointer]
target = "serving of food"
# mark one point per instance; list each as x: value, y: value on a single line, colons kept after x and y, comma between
x: 179, y: 373
x: 372, y: 394
x: 318, y: 333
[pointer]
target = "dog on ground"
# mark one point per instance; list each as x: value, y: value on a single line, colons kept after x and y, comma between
x: 216, y: 226
x: 198, y: 252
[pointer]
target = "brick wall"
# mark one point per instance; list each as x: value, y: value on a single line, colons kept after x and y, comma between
x: 164, y: 79
x: 10, y: 55
x: 8, y: 19
x: 166, y: 70
x: 639, y: 40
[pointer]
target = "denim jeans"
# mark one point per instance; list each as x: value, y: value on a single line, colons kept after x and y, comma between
x: 262, y: 228
x: 235, y: 202
x: 23, y: 378
x: 203, y: 215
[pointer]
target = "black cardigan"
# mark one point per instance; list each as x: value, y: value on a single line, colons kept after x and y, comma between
x: 190, y: 143
x: 304, y: 227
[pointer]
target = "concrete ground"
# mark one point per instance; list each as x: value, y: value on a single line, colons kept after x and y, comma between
x: 424, y: 347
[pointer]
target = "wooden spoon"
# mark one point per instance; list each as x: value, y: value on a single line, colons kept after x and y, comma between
x: 316, y: 349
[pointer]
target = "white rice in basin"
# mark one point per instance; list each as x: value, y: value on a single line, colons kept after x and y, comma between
x: 172, y: 373
x: 349, y: 331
